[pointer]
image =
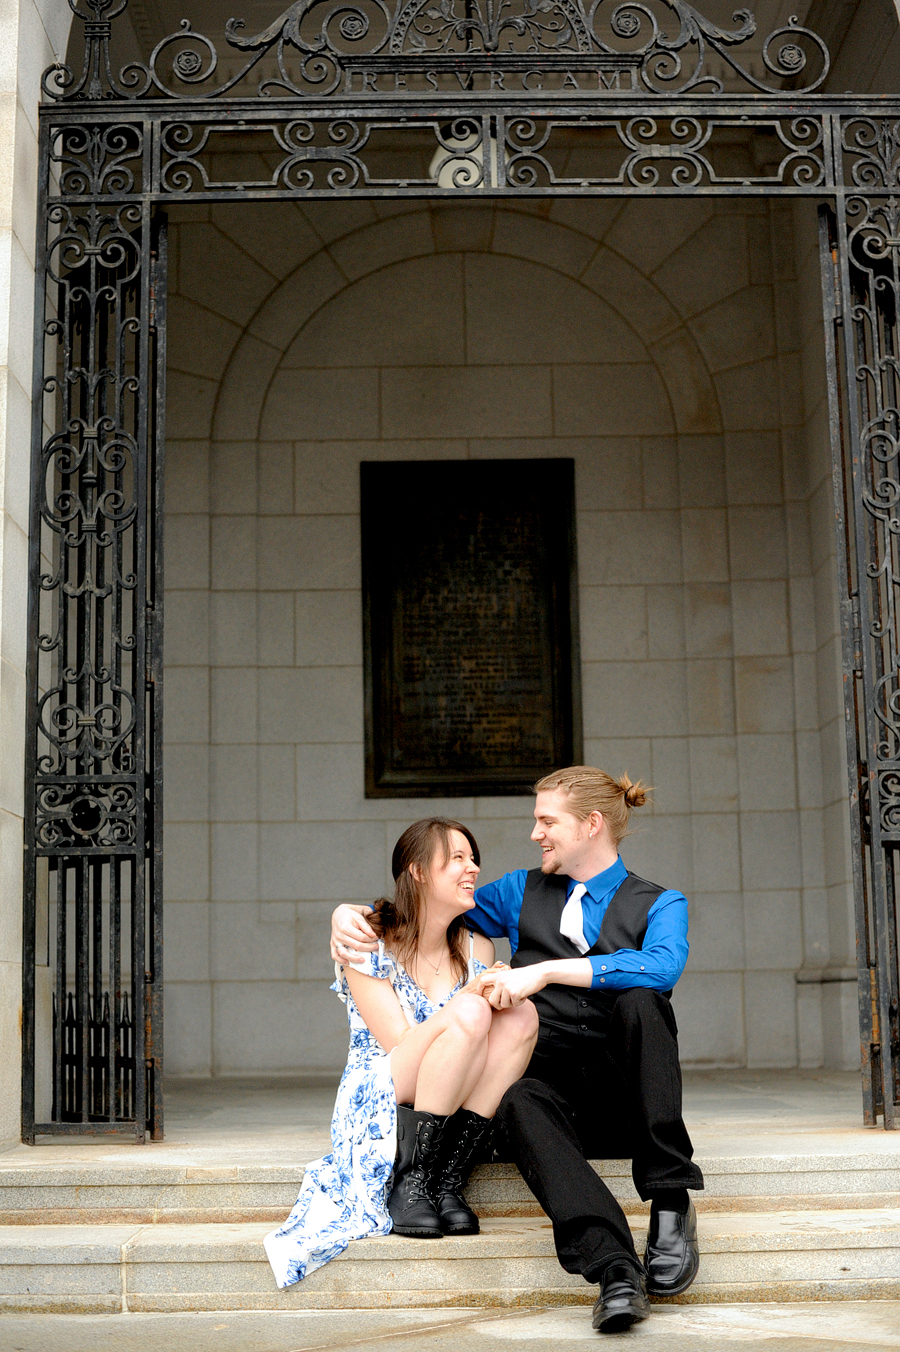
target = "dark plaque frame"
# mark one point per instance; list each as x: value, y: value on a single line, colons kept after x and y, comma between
x: 512, y: 666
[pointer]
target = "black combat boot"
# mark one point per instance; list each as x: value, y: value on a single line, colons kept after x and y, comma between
x: 410, y: 1206
x: 464, y: 1133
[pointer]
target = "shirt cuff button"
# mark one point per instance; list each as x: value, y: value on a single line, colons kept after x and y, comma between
x: 602, y: 969
x: 603, y: 978
x: 642, y: 969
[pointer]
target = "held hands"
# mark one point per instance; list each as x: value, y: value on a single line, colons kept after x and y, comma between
x: 473, y: 987
x: 507, y: 989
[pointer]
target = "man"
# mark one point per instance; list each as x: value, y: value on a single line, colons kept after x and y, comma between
x: 598, y: 950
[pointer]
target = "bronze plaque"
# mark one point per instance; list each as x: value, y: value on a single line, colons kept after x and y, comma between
x: 471, y: 625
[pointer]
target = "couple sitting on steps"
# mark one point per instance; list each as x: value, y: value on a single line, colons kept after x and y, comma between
x: 573, y: 1049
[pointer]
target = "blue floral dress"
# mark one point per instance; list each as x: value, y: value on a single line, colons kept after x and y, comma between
x: 344, y: 1196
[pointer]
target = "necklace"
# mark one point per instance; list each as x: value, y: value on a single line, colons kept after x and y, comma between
x: 437, y: 969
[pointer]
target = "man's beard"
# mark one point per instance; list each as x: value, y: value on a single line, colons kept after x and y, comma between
x: 552, y: 867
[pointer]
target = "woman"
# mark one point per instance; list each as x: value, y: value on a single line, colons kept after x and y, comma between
x: 428, y: 1065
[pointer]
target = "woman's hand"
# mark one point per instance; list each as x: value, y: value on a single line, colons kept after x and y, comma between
x: 351, y: 935
x: 473, y: 987
x: 507, y: 989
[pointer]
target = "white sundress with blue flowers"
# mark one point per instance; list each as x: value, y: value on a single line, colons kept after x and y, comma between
x: 344, y: 1196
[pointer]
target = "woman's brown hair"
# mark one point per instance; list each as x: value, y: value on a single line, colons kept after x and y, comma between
x: 398, y: 920
x: 590, y: 790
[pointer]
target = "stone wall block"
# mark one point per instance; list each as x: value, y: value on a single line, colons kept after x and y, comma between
x: 277, y: 790
x: 738, y: 329
x: 575, y: 325
x: 770, y: 1012
x: 805, y: 691
x: 613, y: 278
x: 764, y: 694
x: 207, y: 257
x: 634, y: 699
x: 332, y: 220
x: 186, y: 770
x: 328, y: 628
x: 661, y: 849
x: 290, y: 305
x: 234, y: 552
x: 613, y: 623
x: 188, y: 1024
x: 187, y: 941
x: 709, y: 266
x: 701, y: 471
x: 592, y: 216
x: 608, y: 470
x: 234, y: 478
x: 311, y: 404
x: 12, y: 736
x: 710, y: 690
x: 770, y: 851
x: 298, y: 861
x: 716, y: 851
x: 704, y: 543
x: 14, y: 575
x: 760, y: 618
x: 767, y: 775
x: 233, y: 628
x: 809, y: 769
x: 671, y: 777
x: 686, y: 377
x: 647, y: 231
x: 244, y: 949
x: 310, y: 704
x: 710, y: 1013
x: 410, y: 314
x: 714, y: 774
x: 665, y: 622
x: 773, y: 931
x: 630, y: 399
x: 659, y: 462
x: 386, y: 242
x: 234, y: 861
x: 234, y: 696
x: 187, y: 480
x: 466, y: 227
x: 628, y: 547
x: 707, y: 619
x: 10, y: 888
x: 522, y: 236
x: 186, y: 875
x: 201, y: 341
x: 187, y: 705
x: 277, y: 1026
x: 748, y: 396
x: 275, y: 628
x: 190, y: 401
x: 243, y: 391
x: 753, y: 468
x: 716, y: 932
x: 186, y: 628
x: 466, y: 401
x: 309, y: 553
x: 275, y: 234
x: 233, y: 784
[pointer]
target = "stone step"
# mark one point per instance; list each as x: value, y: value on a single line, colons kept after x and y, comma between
x: 766, y: 1256
x: 137, y: 1191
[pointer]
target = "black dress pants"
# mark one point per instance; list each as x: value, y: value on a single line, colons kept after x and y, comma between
x: 609, y: 1095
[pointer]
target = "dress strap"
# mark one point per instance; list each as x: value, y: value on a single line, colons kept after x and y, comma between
x: 471, y: 969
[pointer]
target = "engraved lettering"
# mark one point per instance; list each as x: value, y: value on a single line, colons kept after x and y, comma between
x: 399, y: 80
x: 465, y: 79
x: 368, y: 80
x: 432, y: 79
x: 608, y: 81
x: 538, y: 75
x: 569, y: 82
x: 497, y: 79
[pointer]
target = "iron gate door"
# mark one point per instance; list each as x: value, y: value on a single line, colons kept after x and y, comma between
x: 485, y: 100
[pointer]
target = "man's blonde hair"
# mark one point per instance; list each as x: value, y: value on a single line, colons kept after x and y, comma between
x: 590, y: 790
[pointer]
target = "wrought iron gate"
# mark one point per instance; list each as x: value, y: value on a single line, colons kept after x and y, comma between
x: 527, y: 98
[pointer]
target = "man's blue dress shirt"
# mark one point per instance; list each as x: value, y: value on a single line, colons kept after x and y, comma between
x: 658, y: 964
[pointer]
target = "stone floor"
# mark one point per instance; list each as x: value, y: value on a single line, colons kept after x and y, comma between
x: 261, y: 1121
x: 846, y: 1327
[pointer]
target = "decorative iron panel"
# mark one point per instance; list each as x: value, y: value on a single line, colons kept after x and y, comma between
x: 473, y: 98
x: 92, y: 921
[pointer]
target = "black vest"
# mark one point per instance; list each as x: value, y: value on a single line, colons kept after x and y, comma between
x: 624, y: 926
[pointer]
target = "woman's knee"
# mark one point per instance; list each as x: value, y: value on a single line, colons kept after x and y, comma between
x: 471, y: 1015
x: 521, y: 1023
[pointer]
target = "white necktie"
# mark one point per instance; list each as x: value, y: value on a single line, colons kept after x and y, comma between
x: 571, y: 923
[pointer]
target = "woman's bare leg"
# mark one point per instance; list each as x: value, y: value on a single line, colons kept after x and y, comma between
x: 509, y: 1046
x: 438, y: 1063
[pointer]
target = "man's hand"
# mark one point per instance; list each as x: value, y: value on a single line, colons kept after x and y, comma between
x: 510, y: 988
x: 473, y: 987
x: 352, y: 937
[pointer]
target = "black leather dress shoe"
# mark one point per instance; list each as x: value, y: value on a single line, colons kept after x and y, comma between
x: 622, y: 1300
x: 672, y: 1258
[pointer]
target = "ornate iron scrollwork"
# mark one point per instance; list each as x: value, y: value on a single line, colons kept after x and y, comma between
x: 318, y: 47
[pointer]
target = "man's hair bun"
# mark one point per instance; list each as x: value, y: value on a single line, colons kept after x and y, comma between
x: 635, y: 795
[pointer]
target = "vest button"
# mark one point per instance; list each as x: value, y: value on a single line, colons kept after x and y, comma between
x: 584, y: 1004
x: 603, y: 978
x: 584, y: 1028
